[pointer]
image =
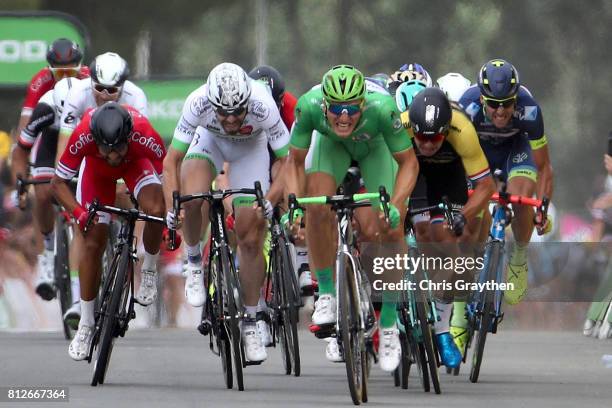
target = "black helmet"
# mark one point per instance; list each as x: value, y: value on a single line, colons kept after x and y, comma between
x: 111, y: 125
x: 273, y: 78
x: 430, y: 112
x: 64, y: 52
x: 498, y: 79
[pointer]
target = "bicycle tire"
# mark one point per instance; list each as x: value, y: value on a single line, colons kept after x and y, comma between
x: 486, y: 317
x: 291, y: 298
x: 406, y: 361
x: 62, y: 271
x: 278, y: 305
x: 349, y: 321
x: 225, y: 352
x: 108, y: 331
x: 423, y: 317
x: 229, y: 272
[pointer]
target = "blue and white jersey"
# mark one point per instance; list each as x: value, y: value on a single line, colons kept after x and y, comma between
x: 527, y: 119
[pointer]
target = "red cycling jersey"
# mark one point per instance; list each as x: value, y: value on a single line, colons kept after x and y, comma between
x: 97, y: 179
x: 42, y: 82
x: 287, y: 110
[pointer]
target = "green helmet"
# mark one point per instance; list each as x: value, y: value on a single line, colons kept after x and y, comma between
x: 343, y: 83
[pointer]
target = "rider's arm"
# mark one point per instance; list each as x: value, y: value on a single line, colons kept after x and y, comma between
x: 301, y: 135
x: 545, y: 172
x: 42, y: 117
x: 171, y: 173
x: 464, y: 139
x: 406, y: 177
x: 36, y: 89
x: 63, y: 194
x: 71, y: 116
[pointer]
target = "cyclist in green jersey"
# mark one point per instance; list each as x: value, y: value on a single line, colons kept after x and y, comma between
x: 338, y: 122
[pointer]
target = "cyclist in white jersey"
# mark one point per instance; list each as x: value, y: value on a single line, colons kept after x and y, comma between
x: 229, y: 119
x: 108, y: 82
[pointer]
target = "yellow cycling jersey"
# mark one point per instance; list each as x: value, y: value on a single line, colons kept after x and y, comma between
x: 461, y: 142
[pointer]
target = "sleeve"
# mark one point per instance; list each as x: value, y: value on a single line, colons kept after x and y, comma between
x: 155, y: 151
x: 391, y: 127
x: 70, y: 161
x: 73, y: 110
x: 303, y: 124
x: 464, y: 139
x: 36, y: 88
x: 276, y: 131
x: 42, y: 116
x: 195, y: 106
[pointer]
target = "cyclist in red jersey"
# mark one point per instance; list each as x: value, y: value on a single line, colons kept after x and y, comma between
x: 64, y: 57
x: 110, y: 142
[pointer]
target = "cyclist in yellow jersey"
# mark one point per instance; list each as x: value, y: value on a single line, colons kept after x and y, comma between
x: 448, y: 151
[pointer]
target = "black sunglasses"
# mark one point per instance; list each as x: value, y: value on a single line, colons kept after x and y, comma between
x: 109, y: 89
x: 230, y: 112
x: 494, y: 103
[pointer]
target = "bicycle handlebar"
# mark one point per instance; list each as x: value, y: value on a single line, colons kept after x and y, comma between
x: 130, y: 213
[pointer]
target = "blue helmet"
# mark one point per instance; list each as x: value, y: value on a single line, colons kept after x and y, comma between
x: 418, y: 68
x: 498, y: 79
x: 406, y: 92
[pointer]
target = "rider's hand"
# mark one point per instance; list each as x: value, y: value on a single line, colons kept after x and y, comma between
x: 268, y: 208
x: 608, y: 163
x: 80, y: 215
x: 459, y: 222
x: 543, y: 227
x: 394, y: 215
x: 172, y: 221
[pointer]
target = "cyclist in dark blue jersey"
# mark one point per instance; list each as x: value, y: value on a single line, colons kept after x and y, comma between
x: 511, y: 131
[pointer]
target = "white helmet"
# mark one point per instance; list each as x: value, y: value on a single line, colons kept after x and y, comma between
x: 453, y: 85
x: 60, y: 93
x: 229, y: 87
x: 109, y: 69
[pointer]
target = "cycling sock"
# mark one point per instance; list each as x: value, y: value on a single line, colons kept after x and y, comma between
x: 301, y: 256
x: 150, y: 261
x: 251, y: 311
x: 87, y: 313
x: 261, y: 303
x: 194, y: 254
x: 326, y: 281
x: 388, y: 315
x: 49, y: 240
x: 519, y: 254
x: 459, y: 319
x: 444, y: 311
x: 75, y: 287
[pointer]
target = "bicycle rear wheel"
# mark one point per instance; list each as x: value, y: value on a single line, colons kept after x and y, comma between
x: 278, y: 306
x: 351, y: 335
x: 110, y: 315
x: 62, y: 271
x: 486, y: 315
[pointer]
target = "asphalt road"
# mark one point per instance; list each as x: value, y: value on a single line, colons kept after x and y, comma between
x: 155, y: 368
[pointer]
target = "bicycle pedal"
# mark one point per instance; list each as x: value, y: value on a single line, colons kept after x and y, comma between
x: 250, y: 363
x: 322, y: 331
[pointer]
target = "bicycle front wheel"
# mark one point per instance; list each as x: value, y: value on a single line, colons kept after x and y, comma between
x: 110, y: 315
x: 231, y: 294
x: 290, y: 304
x: 486, y: 312
x: 351, y: 335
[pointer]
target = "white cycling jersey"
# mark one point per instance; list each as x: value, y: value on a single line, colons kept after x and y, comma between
x: 81, y: 97
x: 261, y: 121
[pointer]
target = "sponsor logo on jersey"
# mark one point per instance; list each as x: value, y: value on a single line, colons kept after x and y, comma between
x: 70, y: 118
x: 199, y: 105
x: 259, y: 110
x: 518, y: 158
x: 148, y: 142
x: 472, y: 109
x: 276, y: 132
x: 213, y: 128
x: 397, y: 124
x: 529, y: 113
x: 83, y: 140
